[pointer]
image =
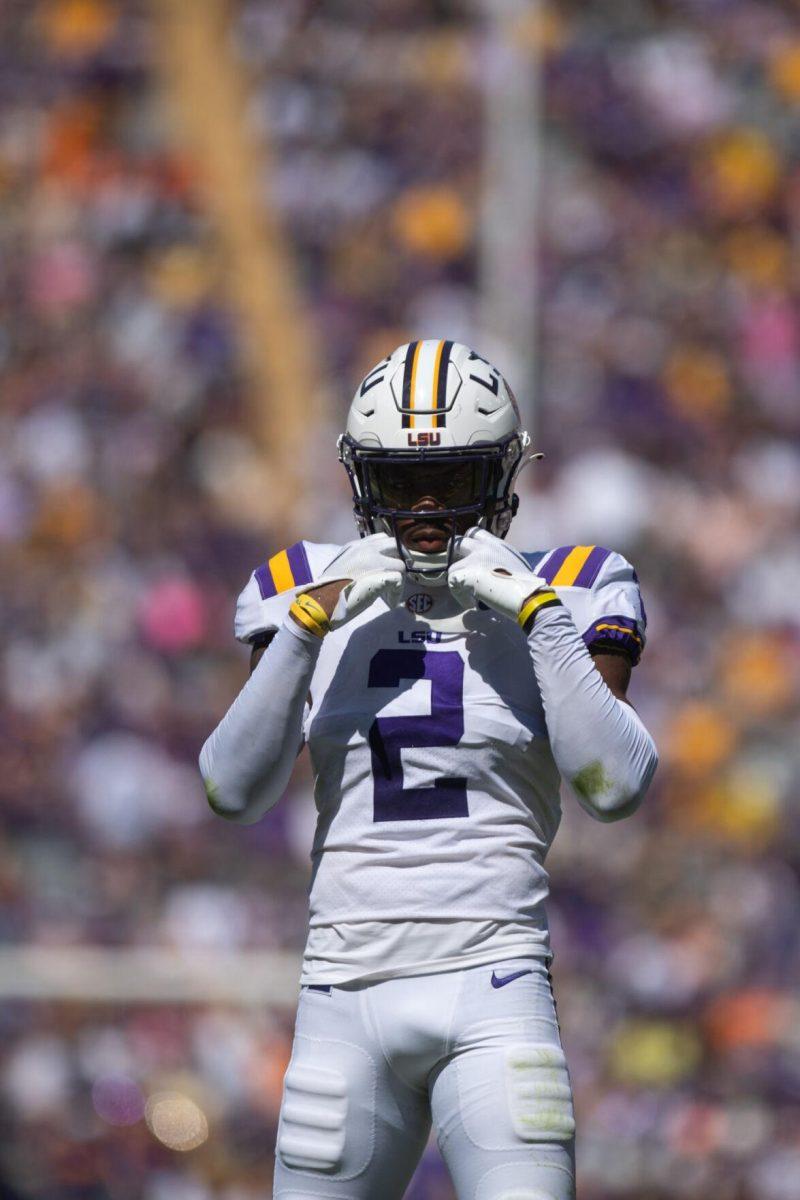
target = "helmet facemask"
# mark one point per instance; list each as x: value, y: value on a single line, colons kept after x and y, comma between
x: 468, y: 485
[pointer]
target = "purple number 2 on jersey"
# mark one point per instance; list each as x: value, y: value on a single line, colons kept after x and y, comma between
x: 443, y: 726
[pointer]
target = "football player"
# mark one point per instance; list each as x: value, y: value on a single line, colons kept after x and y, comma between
x: 444, y: 683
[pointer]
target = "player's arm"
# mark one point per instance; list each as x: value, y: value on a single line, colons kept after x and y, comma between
x: 257, y: 652
x: 326, y: 596
x: 597, y: 739
x: 600, y: 744
x: 247, y: 761
x: 615, y: 670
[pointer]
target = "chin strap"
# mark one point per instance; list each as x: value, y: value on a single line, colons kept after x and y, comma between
x: 430, y: 569
x: 429, y: 577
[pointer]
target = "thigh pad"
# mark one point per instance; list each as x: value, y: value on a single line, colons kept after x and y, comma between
x: 539, y: 1092
x: 327, y: 1119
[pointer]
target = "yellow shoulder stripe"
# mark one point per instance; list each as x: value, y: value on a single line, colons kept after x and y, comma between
x: 571, y: 567
x: 281, y: 571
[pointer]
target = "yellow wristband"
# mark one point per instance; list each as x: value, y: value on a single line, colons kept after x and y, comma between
x: 534, y: 603
x: 310, y: 614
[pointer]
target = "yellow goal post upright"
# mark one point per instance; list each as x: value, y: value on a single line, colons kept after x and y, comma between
x: 511, y: 167
x: 208, y: 91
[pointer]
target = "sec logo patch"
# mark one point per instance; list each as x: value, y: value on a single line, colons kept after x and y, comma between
x: 420, y: 602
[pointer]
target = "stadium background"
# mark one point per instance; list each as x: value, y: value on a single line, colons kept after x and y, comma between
x: 214, y: 217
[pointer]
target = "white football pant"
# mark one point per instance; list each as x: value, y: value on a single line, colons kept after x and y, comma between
x: 477, y: 1052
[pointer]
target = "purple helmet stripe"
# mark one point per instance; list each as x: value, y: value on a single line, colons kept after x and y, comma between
x: 405, y: 403
x: 591, y: 568
x: 440, y: 400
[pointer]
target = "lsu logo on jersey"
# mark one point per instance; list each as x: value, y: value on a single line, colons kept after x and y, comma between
x: 420, y: 637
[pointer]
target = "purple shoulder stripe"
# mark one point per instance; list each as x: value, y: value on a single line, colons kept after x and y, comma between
x: 554, y: 563
x: 293, y: 561
x: 298, y: 561
x: 265, y: 582
x: 591, y: 568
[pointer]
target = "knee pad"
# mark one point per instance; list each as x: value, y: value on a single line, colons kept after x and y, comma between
x: 527, y: 1194
x: 539, y: 1092
x: 527, y: 1181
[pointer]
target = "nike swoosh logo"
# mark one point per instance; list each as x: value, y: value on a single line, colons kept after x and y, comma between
x: 501, y: 981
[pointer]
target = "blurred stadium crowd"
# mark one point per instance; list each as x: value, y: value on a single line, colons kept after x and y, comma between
x: 669, y: 410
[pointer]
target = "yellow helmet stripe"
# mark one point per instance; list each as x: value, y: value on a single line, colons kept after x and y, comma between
x: 437, y: 363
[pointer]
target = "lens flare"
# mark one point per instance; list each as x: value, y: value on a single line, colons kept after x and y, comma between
x: 176, y: 1121
x: 118, y: 1100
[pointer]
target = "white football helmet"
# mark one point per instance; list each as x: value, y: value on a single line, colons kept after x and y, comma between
x: 434, y: 415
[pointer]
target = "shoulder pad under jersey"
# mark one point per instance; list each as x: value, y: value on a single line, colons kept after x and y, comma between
x: 270, y: 590
x: 601, y: 590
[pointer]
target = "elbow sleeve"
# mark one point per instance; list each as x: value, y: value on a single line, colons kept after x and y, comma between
x: 247, y: 761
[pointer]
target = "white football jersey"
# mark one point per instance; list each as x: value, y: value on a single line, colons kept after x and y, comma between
x: 436, y: 790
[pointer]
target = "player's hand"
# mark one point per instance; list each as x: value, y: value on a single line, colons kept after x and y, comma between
x: 360, y: 593
x: 488, y: 570
x: 363, y: 571
x: 377, y: 552
x: 326, y: 595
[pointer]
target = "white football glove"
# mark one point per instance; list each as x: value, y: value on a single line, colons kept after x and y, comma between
x: 490, y: 571
x: 378, y: 552
x: 360, y: 593
x: 374, y: 570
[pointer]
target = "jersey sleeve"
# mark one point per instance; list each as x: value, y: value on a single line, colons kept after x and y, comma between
x: 601, y: 589
x: 266, y: 597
